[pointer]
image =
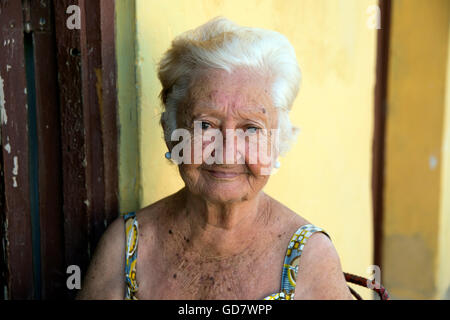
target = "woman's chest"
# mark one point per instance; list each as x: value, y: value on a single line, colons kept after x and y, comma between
x: 175, y: 275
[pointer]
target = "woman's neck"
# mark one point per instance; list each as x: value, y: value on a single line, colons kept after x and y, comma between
x: 223, y: 229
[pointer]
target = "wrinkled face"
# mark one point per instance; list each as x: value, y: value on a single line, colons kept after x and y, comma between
x: 237, y: 102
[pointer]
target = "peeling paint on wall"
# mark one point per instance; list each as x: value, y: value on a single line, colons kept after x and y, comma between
x: 15, y: 171
x: 415, y: 237
x: 405, y: 257
x: 8, y: 148
x: 16, y: 166
x: 4, y: 117
x: 433, y: 162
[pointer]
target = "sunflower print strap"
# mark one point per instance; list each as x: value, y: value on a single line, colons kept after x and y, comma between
x: 131, y: 233
x: 291, y: 261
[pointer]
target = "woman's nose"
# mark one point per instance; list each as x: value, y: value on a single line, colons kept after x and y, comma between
x: 233, y: 150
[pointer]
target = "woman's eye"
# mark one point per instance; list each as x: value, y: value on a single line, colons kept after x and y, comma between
x: 252, y: 130
x: 205, y: 125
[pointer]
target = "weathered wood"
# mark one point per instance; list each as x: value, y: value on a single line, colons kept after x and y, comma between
x: 3, y: 266
x: 14, y: 135
x: 88, y: 92
x: 92, y: 105
x: 110, y: 103
x: 49, y: 150
x: 76, y: 128
x: 73, y: 141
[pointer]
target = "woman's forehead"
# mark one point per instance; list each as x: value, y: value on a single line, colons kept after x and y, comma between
x: 259, y: 111
x: 240, y: 90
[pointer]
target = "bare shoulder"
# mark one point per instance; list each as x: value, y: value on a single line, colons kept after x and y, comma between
x: 320, y: 274
x: 152, y: 217
x: 104, y: 278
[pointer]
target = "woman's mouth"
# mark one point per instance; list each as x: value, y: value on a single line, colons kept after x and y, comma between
x: 219, y: 174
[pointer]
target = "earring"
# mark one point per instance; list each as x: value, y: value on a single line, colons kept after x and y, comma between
x: 168, y: 155
x: 277, y: 164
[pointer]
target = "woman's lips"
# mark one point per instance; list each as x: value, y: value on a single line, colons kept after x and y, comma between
x: 223, y: 174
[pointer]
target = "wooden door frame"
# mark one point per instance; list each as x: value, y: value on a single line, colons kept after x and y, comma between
x: 379, y: 136
x: 74, y: 103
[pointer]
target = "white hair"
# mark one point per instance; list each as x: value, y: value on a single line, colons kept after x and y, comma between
x: 222, y: 44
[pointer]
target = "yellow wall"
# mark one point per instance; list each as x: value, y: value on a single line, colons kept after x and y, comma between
x: 413, y: 175
x: 327, y: 176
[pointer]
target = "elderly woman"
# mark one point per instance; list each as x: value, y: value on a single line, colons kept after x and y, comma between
x: 221, y: 236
